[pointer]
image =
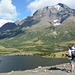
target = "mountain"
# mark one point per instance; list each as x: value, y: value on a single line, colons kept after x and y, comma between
x: 8, y: 26
x: 50, y: 29
x: 50, y: 15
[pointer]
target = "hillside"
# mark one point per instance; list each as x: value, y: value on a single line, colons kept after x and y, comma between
x: 40, y: 36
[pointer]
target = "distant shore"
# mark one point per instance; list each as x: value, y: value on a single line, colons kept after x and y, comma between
x: 52, y: 55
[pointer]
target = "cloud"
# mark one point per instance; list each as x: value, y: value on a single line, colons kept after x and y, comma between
x: 3, y: 21
x: 7, y: 10
x: 38, y: 4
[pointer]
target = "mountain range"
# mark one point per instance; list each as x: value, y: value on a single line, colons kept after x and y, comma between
x: 50, y: 15
x: 49, y: 29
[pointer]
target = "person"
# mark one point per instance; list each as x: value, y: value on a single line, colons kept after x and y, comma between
x: 70, y: 58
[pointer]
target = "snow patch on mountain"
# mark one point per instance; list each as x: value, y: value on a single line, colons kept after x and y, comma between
x: 58, y: 7
x: 56, y: 20
x: 56, y: 24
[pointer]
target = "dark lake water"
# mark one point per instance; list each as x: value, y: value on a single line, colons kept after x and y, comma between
x: 16, y: 63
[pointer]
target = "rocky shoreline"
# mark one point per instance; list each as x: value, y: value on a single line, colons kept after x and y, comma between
x: 61, y: 69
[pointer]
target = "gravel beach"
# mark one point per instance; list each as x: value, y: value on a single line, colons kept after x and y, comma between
x: 61, y: 69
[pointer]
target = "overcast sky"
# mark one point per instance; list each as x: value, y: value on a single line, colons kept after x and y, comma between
x: 12, y: 10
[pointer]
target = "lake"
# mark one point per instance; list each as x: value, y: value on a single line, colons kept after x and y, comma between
x: 16, y: 63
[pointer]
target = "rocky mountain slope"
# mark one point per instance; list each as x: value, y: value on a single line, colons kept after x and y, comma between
x: 51, y: 15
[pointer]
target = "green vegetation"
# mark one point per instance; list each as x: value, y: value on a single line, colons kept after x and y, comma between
x: 46, y: 42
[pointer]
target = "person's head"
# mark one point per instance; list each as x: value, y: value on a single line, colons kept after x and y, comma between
x: 69, y: 47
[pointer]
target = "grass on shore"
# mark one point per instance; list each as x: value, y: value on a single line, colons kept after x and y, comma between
x: 56, y: 55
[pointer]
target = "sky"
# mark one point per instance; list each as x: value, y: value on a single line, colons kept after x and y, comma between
x: 12, y: 10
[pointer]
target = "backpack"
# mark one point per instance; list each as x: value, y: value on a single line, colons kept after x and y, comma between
x: 73, y: 51
x: 73, y: 54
